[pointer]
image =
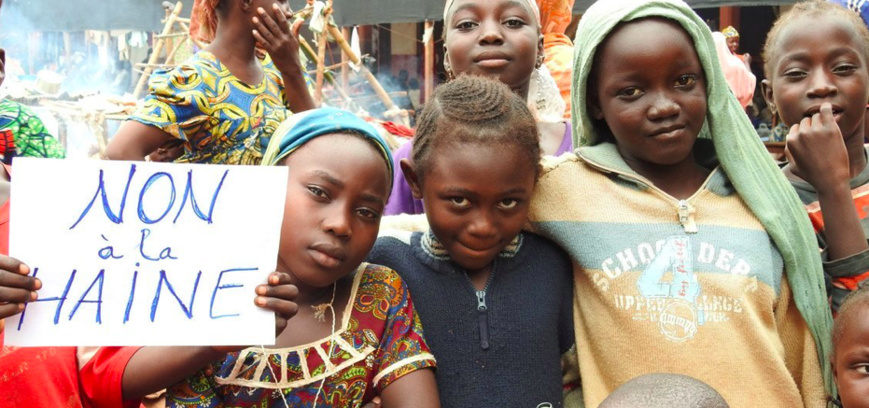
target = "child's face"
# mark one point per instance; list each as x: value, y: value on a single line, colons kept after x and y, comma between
x: 498, y: 39
x: 337, y: 188
x: 733, y: 44
x: 851, y: 363
x: 823, y: 64
x: 476, y: 199
x: 651, y: 92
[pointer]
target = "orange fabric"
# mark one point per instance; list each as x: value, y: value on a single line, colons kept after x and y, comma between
x: 555, y: 16
x: 559, y: 62
x: 203, y: 20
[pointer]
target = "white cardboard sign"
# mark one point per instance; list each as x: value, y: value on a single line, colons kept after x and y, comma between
x: 144, y: 253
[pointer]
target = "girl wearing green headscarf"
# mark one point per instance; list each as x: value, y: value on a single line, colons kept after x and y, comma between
x: 692, y: 254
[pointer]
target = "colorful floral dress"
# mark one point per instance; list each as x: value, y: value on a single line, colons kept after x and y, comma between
x: 23, y: 133
x: 380, y: 340
x: 223, y: 120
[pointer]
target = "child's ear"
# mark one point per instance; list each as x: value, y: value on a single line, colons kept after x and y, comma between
x: 766, y: 90
x: 246, y: 5
x: 411, y: 177
x: 541, y: 52
x: 594, y: 107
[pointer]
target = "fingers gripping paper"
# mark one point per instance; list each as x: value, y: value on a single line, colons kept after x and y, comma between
x: 145, y: 253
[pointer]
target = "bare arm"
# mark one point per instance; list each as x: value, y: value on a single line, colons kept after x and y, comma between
x: 417, y: 389
x: 817, y: 152
x: 136, y: 140
x: 154, y: 368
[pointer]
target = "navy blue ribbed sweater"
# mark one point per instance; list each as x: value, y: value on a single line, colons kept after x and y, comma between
x: 508, y: 355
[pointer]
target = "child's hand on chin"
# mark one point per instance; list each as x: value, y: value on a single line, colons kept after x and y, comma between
x: 277, y: 296
x: 816, y: 147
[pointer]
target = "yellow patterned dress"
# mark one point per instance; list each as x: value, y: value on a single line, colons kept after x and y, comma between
x: 379, y: 340
x: 222, y: 119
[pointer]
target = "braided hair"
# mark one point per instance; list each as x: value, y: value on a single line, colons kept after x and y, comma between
x: 814, y: 8
x: 472, y: 109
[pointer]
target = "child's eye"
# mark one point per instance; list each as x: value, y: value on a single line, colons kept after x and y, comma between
x: 508, y: 203
x: 515, y: 23
x: 844, y: 69
x: 368, y: 213
x: 795, y: 74
x: 317, y: 191
x: 630, y: 92
x: 862, y: 368
x: 685, y: 81
x: 459, y: 201
x: 466, y: 25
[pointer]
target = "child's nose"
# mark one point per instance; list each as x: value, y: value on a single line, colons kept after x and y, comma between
x: 483, y: 225
x: 337, y: 223
x: 820, y: 86
x: 490, y: 33
x: 663, y: 107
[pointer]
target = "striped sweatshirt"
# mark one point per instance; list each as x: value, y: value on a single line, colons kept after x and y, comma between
x: 693, y: 287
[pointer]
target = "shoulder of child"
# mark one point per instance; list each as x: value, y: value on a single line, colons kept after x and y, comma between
x: 544, y: 249
x: 391, y: 244
x: 551, y: 164
x: 377, y: 277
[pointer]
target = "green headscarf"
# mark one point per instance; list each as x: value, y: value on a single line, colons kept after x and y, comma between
x: 743, y: 157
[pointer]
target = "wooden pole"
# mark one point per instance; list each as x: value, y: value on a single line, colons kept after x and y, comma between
x: 158, y: 48
x: 321, y: 69
x: 429, y: 60
x: 345, y: 67
x: 378, y: 89
x: 309, y: 52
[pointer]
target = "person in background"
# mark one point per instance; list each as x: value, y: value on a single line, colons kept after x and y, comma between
x: 503, y: 46
x: 742, y: 82
x: 555, y: 17
x: 22, y: 133
x: 224, y: 101
x: 733, y: 44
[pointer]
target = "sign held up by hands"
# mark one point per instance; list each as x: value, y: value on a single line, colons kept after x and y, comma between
x: 144, y: 253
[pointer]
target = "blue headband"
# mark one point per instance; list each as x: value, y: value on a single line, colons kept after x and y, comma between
x: 305, y: 126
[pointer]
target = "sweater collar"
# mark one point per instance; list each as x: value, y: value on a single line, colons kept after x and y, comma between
x: 433, y: 253
x: 605, y: 157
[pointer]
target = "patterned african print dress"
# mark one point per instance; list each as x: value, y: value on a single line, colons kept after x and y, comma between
x: 380, y: 340
x: 23, y: 134
x: 222, y: 119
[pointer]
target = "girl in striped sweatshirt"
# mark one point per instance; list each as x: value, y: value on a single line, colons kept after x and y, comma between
x: 692, y: 254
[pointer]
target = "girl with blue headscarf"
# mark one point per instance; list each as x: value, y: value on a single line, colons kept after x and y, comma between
x: 356, y: 335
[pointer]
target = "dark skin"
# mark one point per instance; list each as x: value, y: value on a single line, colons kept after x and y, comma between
x: 242, y: 26
x: 654, y: 107
x: 477, y: 200
x: 819, y: 83
x: 850, y: 361
x: 331, y: 222
x: 500, y: 40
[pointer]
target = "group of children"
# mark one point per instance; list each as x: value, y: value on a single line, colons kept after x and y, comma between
x: 666, y: 261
